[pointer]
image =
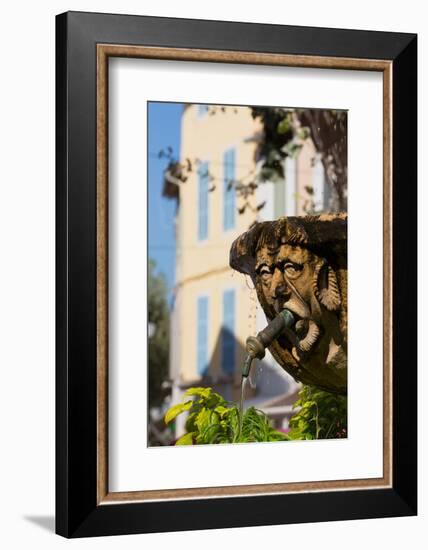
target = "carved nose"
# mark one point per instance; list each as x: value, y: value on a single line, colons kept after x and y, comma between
x: 282, y: 290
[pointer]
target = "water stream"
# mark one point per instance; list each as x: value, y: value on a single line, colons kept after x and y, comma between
x: 241, y: 404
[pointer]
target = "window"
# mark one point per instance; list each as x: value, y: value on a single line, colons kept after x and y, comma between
x: 202, y: 335
x: 228, y: 332
x: 229, y: 192
x: 203, y: 181
x: 202, y: 110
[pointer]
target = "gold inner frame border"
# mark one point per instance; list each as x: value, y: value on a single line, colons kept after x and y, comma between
x: 104, y: 52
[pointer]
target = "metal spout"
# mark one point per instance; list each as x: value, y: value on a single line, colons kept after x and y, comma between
x: 256, y: 345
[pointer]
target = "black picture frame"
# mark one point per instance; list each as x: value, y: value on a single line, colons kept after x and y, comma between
x: 78, y: 513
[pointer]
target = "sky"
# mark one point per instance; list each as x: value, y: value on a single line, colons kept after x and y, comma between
x: 164, y: 120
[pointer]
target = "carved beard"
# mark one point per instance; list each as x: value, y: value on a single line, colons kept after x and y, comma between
x: 312, y: 336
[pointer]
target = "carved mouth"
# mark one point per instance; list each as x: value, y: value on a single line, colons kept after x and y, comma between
x: 302, y: 339
x: 297, y: 307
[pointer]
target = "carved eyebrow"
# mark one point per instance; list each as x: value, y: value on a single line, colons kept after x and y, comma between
x: 260, y: 265
x: 287, y: 260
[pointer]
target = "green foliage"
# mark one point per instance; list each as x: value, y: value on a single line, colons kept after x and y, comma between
x: 278, y: 133
x: 158, y: 315
x: 322, y: 415
x: 212, y: 420
x: 256, y: 427
x: 284, y: 125
x: 284, y: 133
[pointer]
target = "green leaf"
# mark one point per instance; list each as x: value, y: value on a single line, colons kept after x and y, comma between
x: 205, y: 419
x: 201, y: 392
x: 222, y: 410
x: 284, y: 126
x: 176, y: 410
x: 191, y: 422
x: 186, y: 439
x: 213, y: 400
x: 277, y: 436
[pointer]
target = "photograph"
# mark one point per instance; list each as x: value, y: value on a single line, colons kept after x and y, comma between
x: 247, y: 273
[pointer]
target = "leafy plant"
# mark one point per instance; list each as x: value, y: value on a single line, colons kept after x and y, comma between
x: 211, y: 419
x: 322, y: 415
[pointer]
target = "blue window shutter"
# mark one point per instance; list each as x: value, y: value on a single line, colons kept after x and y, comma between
x: 229, y: 192
x: 202, y: 335
x: 203, y: 182
x: 228, y: 332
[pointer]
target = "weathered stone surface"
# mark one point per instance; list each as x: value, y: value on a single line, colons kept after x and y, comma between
x: 300, y: 263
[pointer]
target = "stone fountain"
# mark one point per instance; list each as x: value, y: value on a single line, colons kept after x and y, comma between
x: 299, y: 264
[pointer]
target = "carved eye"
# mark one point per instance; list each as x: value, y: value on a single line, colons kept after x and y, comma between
x: 292, y: 269
x: 264, y: 272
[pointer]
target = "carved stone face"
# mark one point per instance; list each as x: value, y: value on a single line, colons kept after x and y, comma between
x: 285, y: 278
x: 288, y: 273
x: 294, y: 278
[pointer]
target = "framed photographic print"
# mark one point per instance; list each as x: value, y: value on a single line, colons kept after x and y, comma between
x: 236, y: 274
